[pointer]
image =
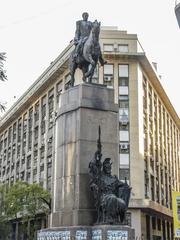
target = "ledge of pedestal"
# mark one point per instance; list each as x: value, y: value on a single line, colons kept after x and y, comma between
x: 84, y: 95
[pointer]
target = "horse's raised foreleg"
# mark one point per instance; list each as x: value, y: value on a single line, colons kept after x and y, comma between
x: 92, y: 66
x: 101, y: 60
x: 84, y: 70
x: 91, y: 73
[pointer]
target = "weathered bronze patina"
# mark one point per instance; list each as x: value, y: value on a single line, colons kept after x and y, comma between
x: 87, y: 50
x: 111, y: 195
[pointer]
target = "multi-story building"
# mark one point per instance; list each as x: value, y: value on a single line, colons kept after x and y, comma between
x: 149, y: 131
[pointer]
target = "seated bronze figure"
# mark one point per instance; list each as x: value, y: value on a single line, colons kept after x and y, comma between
x: 111, y: 195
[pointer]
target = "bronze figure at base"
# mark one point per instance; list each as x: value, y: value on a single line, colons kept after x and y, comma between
x: 111, y: 195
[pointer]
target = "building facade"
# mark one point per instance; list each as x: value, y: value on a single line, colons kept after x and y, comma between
x: 149, y: 131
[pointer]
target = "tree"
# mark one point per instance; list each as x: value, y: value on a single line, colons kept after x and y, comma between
x: 5, y: 227
x: 38, y: 201
x: 3, y: 76
x: 25, y: 201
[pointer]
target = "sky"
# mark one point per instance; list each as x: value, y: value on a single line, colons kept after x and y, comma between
x: 34, y: 32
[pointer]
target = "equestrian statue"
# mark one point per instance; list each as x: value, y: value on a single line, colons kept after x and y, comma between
x: 110, y: 194
x: 87, y: 50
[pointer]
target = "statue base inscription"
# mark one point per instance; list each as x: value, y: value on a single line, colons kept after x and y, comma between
x: 97, y: 232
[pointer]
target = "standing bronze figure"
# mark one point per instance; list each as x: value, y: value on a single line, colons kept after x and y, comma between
x: 87, y: 50
x: 111, y: 195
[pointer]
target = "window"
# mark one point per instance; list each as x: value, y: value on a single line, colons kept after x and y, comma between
x: 124, y: 104
x: 124, y: 136
x: 123, y: 174
x: 35, y: 152
x: 30, y: 118
x: 124, y: 116
x: 154, y: 223
x: 43, y: 127
x: 124, y: 160
x: 67, y: 81
x: 50, y: 145
x: 108, y: 74
x: 41, y: 175
x: 123, y: 97
x: 43, y: 107
x: 19, y: 131
x: 28, y: 177
x: 36, y: 113
x: 42, y: 153
x: 51, y: 107
x: 49, y: 169
x: 152, y: 188
x: 124, y: 147
x: 14, y: 132
x: 128, y: 219
x: 35, y: 175
x: 49, y: 184
x: 25, y: 122
x: 123, y: 71
x: 123, y: 48
x: 59, y: 88
x: 124, y: 125
x: 22, y: 175
x: 28, y: 162
x: 108, y: 47
x: 9, y: 135
x: 51, y: 101
x: 159, y: 224
x: 123, y: 79
x: 36, y: 131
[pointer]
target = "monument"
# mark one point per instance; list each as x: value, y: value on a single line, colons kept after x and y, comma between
x: 87, y: 50
x: 111, y: 195
x: 88, y: 201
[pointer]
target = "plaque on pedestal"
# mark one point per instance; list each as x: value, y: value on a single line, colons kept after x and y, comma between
x: 101, y: 232
x: 81, y: 235
x: 97, y: 234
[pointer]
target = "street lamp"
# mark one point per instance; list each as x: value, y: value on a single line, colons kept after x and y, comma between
x: 177, y: 12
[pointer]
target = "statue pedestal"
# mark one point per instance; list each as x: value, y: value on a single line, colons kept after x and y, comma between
x: 98, y: 232
x: 83, y: 108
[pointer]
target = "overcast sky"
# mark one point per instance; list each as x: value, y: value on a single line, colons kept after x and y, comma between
x: 34, y: 32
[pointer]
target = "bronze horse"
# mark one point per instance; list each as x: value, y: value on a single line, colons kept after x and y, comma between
x: 88, y: 57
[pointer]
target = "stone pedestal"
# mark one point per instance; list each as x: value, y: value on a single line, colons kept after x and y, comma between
x: 83, y: 108
x: 99, y: 232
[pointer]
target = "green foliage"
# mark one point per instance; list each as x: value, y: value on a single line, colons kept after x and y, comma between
x: 15, y: 200
x: 2, y: 71
x: 38, y: 200
x: 3, y: 76
x: 23, y: 200
x: 5, y: 227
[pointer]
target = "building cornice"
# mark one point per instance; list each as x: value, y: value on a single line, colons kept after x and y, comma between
x: 155, y: 81
x: 56, y: 67
x: 151, y: 206
x: 153, y: 78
